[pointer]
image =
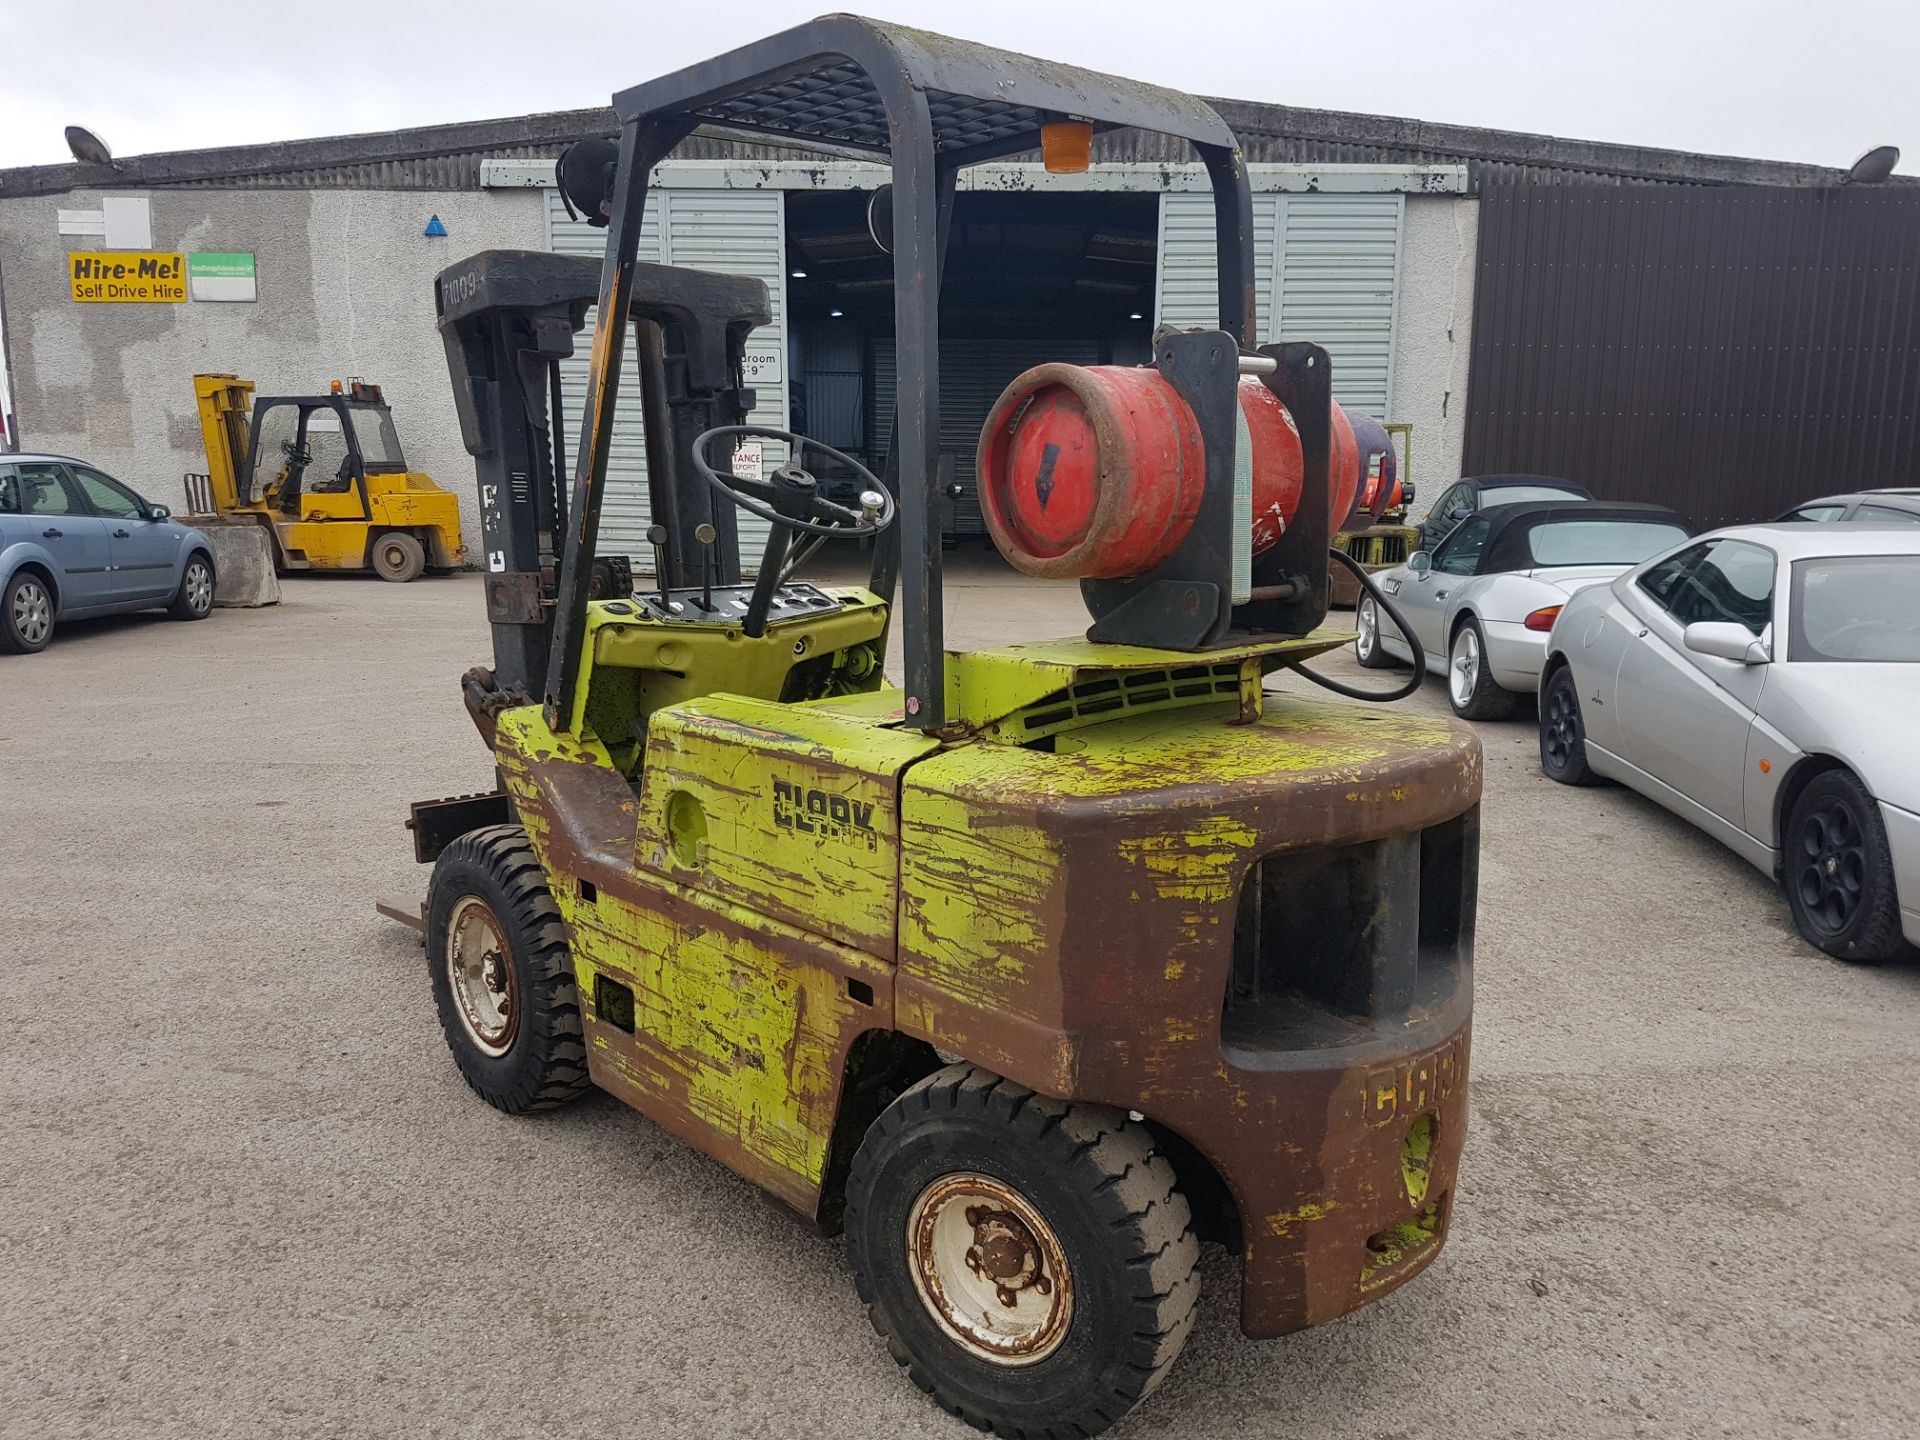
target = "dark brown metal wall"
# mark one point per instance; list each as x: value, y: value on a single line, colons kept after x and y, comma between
x: 1726, y: 351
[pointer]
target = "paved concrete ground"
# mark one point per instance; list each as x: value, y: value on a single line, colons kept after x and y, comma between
x: 244, y: 1193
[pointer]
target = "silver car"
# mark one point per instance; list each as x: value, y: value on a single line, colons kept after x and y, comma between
x: 1762, y: 682
x: 1483, y: 601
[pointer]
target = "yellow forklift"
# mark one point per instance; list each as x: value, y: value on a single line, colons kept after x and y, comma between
x: 325, y: 476
x: 1035, y: 971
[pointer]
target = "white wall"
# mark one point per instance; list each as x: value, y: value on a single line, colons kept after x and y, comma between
x: 345, y: 288
x: 1438, y: 242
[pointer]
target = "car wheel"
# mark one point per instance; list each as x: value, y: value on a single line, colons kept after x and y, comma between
x: 194, y: 599
x: 1838, y: 871
x: 397, y: 556
x: 1471, y: 688
x: 1030, y: 1262
x: 1563, y: 734
x: 1367, y: 648
x: 502, y: 973
x: 26, y: 614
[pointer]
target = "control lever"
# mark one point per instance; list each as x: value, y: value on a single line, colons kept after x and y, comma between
x: 657, y: 538
x: 706, y: 535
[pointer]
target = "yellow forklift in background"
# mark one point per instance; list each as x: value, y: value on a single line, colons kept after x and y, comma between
x: 325, y: 476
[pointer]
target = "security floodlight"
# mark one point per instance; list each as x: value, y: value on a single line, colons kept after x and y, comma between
x: 87, y: 147
x: 1874, y: 166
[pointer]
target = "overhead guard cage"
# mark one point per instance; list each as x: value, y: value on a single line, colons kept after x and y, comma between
x: 928, y: 106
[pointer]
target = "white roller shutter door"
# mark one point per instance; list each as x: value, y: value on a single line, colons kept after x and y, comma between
x: 1327, y: 269
x: 734, y: 232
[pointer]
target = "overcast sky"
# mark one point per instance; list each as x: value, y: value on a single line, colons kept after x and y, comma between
x: 1811, y: 80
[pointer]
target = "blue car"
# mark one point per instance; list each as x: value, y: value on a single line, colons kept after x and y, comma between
x: 75, y: 542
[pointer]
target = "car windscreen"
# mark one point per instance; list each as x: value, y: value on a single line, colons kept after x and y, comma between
x: 1519, y: 494
x: 1859, y: 608
x: 1600, y: 542
x: 379, y: 441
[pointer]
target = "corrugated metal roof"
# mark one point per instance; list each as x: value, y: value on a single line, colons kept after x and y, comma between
x: 447, y: 157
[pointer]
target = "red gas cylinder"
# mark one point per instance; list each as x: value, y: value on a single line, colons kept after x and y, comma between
x: 1095, y: 472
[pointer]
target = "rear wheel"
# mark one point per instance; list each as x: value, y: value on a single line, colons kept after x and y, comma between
x: 1367, y: 648
x: 1471, y: 688
x: 1838, y: 871
x: 1563, y: 734
x: 502, y: 973
x: 194, y: 599
x: 26, y: 614
x: 397, y: 556
x: 1030, y: 1262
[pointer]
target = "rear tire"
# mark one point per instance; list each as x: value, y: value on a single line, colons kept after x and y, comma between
x: 398, y: 556
x: 502, y: 973
x: 1838, y: 872
x: 1471, y: 689
x: 1367, y: 648
x: 26, y: 614
x: 1563, y: 734
x: 194, y: 599
x: 970, y: 1191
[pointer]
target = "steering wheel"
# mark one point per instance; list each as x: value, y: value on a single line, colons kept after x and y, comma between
x: 791, y: 497
x: 296, y: 454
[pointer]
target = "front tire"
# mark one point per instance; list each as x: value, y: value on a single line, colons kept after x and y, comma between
x: 1838, y: 871
x: 398, y: 556
x: 1367, y: 648
x: 1563, y: 733
x: 26, y: 614
x: 194, y: 599
x: 1031, y: 1263
x: 502, y: 973
x: 1471, y: 689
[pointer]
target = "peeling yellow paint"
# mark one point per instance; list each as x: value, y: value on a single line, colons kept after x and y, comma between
x: 1280, y: 1224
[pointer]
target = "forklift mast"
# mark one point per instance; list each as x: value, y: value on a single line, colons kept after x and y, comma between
x: 508, y: 318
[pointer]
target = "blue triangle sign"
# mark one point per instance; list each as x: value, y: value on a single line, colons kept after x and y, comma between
x: 434, y: 227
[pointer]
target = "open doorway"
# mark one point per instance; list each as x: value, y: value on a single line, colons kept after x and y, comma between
x: 1030, y: 278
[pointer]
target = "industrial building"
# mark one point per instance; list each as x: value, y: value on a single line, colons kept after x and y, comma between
x: 1716, y: 334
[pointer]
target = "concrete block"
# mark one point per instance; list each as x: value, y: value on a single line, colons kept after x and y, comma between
x: 243, y: 563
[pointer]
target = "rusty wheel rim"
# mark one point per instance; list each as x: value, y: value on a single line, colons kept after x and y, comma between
x: 480, y: 976
x: 989, y: 1269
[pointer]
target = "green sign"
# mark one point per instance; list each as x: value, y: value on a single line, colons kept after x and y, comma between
x: 221, y: 275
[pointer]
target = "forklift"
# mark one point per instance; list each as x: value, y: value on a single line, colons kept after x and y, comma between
x: 324, y: 476
x: 1033, y: 972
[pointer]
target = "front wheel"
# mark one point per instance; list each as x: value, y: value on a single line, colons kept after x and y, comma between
x: 1367, y: 648
x: 1838, y: 871
x: 502, y: 973
x: 1471, y: 688
x: 194, y: 599
x: 398, y: 556
x: 1563, y: 734
x: 1030, y: 1262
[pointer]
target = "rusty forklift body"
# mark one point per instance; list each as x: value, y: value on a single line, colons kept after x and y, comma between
x: 1107, y: 884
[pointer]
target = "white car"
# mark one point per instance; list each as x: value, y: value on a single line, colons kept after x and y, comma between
x: 1483, y: 601
x: 1762, y: 682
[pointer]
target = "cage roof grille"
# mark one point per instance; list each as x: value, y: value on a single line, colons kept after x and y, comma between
x: 839, y: 103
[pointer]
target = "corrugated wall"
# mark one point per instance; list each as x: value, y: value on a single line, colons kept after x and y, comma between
x: 1724, y: 351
